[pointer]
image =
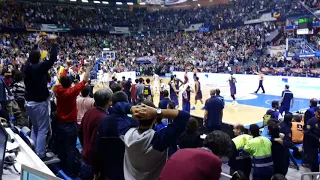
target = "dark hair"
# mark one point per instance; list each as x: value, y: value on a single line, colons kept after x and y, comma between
x: 17, y: 76
x: 140, y: 80
x: 287, y: 117
x: 102, y: 97
x: 65, y: 81
x: 275, y: 104
x: 313, y: 102
x: 123, y: 77
x: 115, y: 87
x: 147, y: 123
x: 85, y: 91
x: 165, y: 93
x: 119, y: 96
x: 148, y: 80
x: 35, y: 56
x: 238, y: 175
x: 197, y: 78
x: 192, y: 126
x: 217, y: 91
x: 241, y: 128
x: 171, y: 105
x: 172, y: 77
x: 297, y: 118
x: 159, y: 119
x: 287, y: 86
x: 137, y: 80
x: 219, y: 143
x: 254, y: 130
x: 273, y: 129
x: 278, y: 177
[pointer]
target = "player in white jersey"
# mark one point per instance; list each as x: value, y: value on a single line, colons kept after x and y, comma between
x: 155, y: 83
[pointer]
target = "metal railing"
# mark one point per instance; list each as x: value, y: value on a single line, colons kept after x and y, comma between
x: 225, y: 176
x: 310, y: 176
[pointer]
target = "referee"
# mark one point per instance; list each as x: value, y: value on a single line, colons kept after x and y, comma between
x: 286, y: 100
x: 261, y: 76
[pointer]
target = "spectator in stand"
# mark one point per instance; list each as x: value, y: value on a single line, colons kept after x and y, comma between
x: 133, y: 91
x: 127, y: 89
x: 163, y: 104
x: 159, y: 124
x: 89, y: 127
x: 37, y: 94
x: 139, y: 90
x: 213, y: 112
x: 297, y: 129
x: 67, y: 120
x: 115, y: 87
x: 190, y: 138
x: 110, y: 149
x: 203, y: 163
x: 311, y: 111
x: 18, y: 90
x: 84, y: 103
x: 146, y: 150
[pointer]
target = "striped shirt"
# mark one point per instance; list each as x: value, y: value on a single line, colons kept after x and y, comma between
x: 18, y: 90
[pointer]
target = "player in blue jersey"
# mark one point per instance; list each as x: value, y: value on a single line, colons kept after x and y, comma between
x: 233, y: 89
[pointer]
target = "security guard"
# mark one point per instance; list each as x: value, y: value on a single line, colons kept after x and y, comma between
x: 311, y: 141
x: 285, y: 128
x: 240, y: 160
x: 260, y: 149
x: 310, y: 112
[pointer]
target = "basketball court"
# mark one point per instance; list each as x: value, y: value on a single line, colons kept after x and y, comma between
x: 250, y: 109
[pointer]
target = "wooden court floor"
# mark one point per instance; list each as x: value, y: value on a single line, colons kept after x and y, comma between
x: 232, y: 114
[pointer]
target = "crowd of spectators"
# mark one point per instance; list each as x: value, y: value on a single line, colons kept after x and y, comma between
x: 70, y: 16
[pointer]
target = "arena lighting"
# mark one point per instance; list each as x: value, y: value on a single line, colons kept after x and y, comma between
x: 194, y: 0
x: 105, y: 2
x: 85, y: 1
x: 73, y: 0
x: 118, y: 3
x: 96, y: 2
x: 129, y: 3
x: 199, y: 5
x: 142, y: 3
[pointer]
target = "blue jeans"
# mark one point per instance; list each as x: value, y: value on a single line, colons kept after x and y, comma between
x: 186, y: 106
x: 39, y: 115
x: 67, y: 140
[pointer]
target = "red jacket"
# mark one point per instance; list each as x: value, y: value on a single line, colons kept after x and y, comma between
x: 67, y: 102
x: 88, y: 132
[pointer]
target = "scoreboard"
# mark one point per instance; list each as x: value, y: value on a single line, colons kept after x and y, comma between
x: 305, y: 26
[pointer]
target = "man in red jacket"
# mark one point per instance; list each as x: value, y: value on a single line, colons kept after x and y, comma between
x: 67, y: 119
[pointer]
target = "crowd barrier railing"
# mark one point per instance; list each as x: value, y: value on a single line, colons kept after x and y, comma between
x: 310, y: 176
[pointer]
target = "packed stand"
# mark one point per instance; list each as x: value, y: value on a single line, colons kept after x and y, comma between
x: 69, y: 16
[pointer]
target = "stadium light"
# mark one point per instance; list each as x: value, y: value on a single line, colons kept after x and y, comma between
x: 105, y: 2
x: 199, y: 5
x: 194, y: 0
x: 129, y: 3
x: 85, y: 1
x: 73, y: 0
x: 96, y: 2
x: 118, y: 3
x: 142, y: 3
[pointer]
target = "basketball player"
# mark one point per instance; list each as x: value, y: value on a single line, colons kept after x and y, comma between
x: 155, y: 83
x: 186, y: 92
x: 147, y: 91
x: 186, y: 79
x: 233, y: 90
x: 198, y: 92
x: 261, y: 76
x: 162, y: 88
x: 174, y: 91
